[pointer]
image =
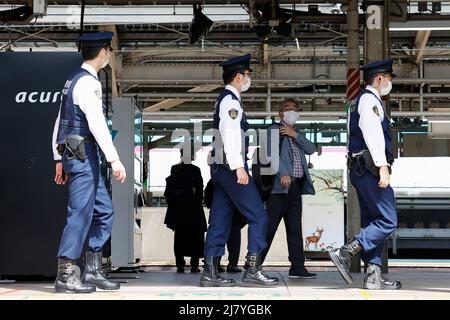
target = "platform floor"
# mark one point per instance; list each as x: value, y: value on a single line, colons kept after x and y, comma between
x: 430, y: 282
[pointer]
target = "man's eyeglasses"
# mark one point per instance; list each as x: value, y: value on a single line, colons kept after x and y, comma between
x: 290, y: 107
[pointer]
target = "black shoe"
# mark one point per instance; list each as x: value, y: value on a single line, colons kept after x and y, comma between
x: 194, y: 265
x: 342, y: 256
x: 301, y: 273
x: 180, y: 270
x: 220, y: 269
x: 254, y: 276
x: 195, y: 270
x: 211, y: 277
x: 93, y: 273
x: 375, y: 281
x: 233, y: 269
x: 68, y: 278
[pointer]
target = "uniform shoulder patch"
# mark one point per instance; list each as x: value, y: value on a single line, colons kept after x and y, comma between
x: 375, y: 110
x: 233, y: 113
x: 98, y: 93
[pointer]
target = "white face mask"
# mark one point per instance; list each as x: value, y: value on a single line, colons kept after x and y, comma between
x: 290, y: 117
x: 246, y: 86
x: 386, y: 90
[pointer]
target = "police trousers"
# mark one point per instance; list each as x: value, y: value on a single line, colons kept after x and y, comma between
x: 378, y: 212
x: 228, y: 197
x: 89, y: 209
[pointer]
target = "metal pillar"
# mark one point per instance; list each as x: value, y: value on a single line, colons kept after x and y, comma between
x: 146, y: 168
x: 83, y: 5
x: 268, y: 71
x: 353, y: 79
x: 126, y: 237
x: 421, y: 85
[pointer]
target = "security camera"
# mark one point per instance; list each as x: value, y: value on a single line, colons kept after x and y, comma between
x: 335, y: 9
x: 39, y: 7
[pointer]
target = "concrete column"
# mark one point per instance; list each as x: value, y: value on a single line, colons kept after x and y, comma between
x: 375, y: 33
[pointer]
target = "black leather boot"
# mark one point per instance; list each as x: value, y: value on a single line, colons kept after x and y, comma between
x: 211, y: 277
x: 375, y: 281
x: 254, y: 276
x: 343, y: 255
x: 68, y: 278
x: 93, y: 272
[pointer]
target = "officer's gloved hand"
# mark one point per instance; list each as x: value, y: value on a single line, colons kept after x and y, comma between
x: 118, y: 170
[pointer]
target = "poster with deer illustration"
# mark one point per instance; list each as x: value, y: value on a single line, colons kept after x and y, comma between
x: 323, y: 213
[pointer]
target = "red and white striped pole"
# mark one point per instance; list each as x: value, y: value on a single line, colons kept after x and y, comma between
x: 353, y: 72
x: 353, y: 86
x: 353, y: 216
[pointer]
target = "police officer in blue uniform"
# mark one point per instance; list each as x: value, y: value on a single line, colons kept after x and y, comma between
x: 79, y: 134
x: 234, y: 188
x: 370, y: 158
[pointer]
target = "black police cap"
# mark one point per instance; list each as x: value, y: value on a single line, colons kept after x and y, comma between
x: 376, y: 67
x: 97, y: 39
x: 236, y: 63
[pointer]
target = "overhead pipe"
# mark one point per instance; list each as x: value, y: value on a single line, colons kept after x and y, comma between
x: 170, y: 82
x: 262, y: 114
x: 298, y: 95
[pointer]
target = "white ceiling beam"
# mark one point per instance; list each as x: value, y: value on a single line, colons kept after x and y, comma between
x: 171, y: 103
x: 421, y: 43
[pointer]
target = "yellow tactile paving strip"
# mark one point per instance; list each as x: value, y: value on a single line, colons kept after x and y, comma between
x: 168, y: 285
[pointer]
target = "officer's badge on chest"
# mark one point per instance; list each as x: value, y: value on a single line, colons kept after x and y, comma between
x: 375, y: 110
x: 233, y: 113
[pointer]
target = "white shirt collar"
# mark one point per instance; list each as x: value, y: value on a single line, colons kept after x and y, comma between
x: 372, y: 89
x: 90, y: 69
x: 234, y: 90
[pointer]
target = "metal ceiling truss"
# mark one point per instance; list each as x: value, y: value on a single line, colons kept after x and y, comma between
x: 160, y: 67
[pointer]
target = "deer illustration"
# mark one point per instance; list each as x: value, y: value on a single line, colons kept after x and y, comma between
x: 314, y: 239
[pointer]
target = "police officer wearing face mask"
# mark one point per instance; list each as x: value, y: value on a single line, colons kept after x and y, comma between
x: 291, y: 181
x: 79, y: 134
x: 370, y: 158
x: 234, y: 188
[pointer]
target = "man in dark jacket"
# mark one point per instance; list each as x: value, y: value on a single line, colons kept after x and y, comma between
x: 185, y: 215
x: 291, y: 181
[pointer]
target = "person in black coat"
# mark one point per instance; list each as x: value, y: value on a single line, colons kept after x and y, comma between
x: 185, y: 215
